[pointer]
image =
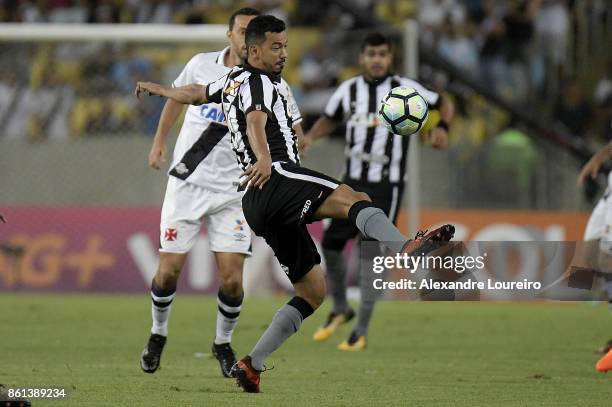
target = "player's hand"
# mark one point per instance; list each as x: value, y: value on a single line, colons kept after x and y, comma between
x: 149, y: 87
x: 257, y: 174
x: 158, y: 154
x: 304, y: 144
x: 438, y: 138
x: 590, y: 169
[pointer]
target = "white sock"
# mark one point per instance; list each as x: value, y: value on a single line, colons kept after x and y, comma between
x: 228, y: 312
x: 161, y: 303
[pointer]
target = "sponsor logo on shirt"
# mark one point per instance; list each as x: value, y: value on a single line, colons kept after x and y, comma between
x: 211, y: 112
x: 364, y: 120
x: 305, y: 208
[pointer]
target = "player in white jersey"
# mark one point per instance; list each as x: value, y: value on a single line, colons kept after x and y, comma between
x: 202, y: 186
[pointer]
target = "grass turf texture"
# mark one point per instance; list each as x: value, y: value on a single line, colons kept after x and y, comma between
x: 442, y: 354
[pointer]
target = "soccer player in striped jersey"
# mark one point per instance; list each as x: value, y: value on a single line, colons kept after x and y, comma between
x: 202, y: 187
x: 375, y: 164
x: 281, y: 196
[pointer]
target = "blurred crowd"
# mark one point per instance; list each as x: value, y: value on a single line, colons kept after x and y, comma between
x: 75, y: 89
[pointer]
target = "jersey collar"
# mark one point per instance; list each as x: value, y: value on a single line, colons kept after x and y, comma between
x: 222, y: 54
x: 376, y: 82
x: 273, y: 77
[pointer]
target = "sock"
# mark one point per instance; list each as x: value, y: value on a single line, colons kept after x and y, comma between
x: 336, y: 275
x: 160, y: 308
x: 374, y: 224
x: 227, y: 316
x: 285, y: 323
x: 364, y: 316
x: 369, y: 296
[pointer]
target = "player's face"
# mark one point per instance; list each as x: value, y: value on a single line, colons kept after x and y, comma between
x: 236, y: 35
x: 376, y: 61
x: 273, y: 52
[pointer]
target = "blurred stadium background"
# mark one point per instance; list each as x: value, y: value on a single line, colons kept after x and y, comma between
x: 531, y: 80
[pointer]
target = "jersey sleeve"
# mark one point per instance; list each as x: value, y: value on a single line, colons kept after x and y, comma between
x: 257, y: 94
x: 215, y: 88
x: 334, y: 109
x: 296, y: 116
x: 431, y: 97
x: 186, y: 76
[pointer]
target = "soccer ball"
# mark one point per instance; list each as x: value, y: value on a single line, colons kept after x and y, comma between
x: 403, y: 111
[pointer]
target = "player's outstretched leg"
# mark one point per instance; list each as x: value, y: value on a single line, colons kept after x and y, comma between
x: 309, y: 294
x: 163, y: 289
x: 229, y: 301
x: 373, y: 223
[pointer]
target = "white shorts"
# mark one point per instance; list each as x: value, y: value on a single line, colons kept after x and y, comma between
x: 185, y: 207
x: 599, y: 226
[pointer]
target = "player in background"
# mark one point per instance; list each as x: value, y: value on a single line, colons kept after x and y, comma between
x: 281, y: 196
x: 599, y: 228
x: 375, y: 164
x: 202, y: 187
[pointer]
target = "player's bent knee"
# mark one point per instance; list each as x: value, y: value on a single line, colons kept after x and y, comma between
x: 312, y: 287
x: 231, y: 285
x: 313, y: 298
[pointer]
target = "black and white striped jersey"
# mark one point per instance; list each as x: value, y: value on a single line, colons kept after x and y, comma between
x: 245, y: 89
x: 373, y: 154
x: 203, y: 154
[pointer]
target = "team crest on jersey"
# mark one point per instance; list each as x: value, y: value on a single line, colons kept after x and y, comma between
x: 170, y: 235
x: 232, y: 88
x: 181, y: 168
x: 285, y: 269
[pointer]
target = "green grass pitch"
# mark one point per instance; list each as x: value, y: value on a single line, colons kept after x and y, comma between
x: 422, y: 354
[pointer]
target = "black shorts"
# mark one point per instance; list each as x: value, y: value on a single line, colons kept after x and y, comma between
x: 280, y: 211
x: 386, y: 197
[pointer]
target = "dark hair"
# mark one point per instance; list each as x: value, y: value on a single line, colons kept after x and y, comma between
x: 375, y: 39
x: 259, y: 26
x: 246, y: 11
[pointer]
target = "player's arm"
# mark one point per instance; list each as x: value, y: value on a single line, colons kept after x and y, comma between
x: 332, y: 115
x: 301, y: 137
x: 592, y: 167
x: 171, y: 112
x: 323, y: 127
x: 259, y: 173
x: 192, y: 94
x: 438, y: 136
